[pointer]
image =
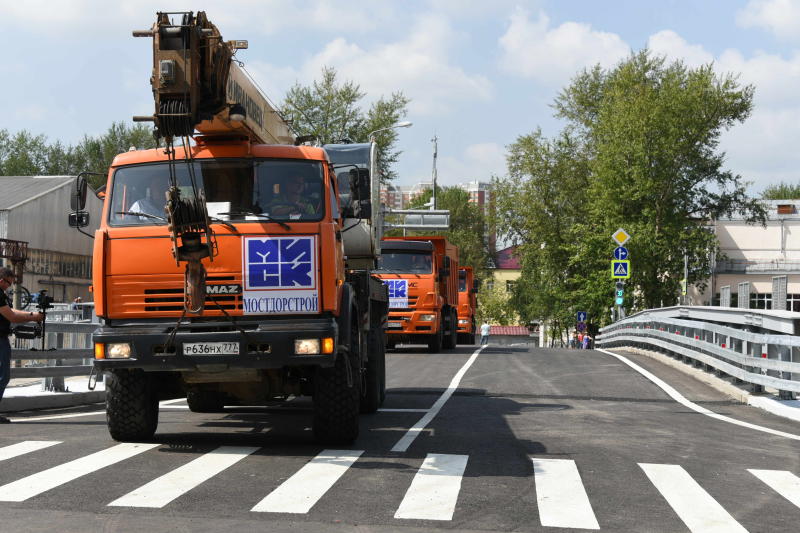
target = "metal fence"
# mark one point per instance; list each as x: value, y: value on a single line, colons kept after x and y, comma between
x: 756, y: 347
x: 67, y: 348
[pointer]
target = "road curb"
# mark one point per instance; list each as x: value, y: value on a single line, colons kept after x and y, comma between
x: 51, y: 400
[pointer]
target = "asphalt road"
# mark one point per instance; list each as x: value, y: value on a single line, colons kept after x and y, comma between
x: 530, y: 440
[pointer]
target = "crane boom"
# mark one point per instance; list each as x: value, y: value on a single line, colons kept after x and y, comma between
x: 198, y: 87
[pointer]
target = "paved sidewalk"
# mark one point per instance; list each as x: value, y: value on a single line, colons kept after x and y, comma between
x: 27, y: 394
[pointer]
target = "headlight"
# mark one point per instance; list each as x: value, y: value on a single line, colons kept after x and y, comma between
x: 306, y: 346
x: 463, y: 321
x: 427, y: 318
x: 118, y: 350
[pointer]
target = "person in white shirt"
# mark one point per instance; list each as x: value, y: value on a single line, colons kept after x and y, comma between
x: 485, y: 327
x: 153, y: 203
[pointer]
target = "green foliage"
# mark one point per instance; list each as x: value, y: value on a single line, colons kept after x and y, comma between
x: 467, y: 227
x: 25, y: 154
x: 330, y: 111
x: 639, y: 151
x: 782, y: 191
x: 493, y: 306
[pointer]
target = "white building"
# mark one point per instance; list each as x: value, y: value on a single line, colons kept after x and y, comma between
x: 753, y: 255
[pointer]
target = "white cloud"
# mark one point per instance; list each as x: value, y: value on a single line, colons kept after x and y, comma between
x: 672, y: 45
x: 780, y: 17
x: 533, y: 49
x: 418, y: 64
x: 476, y: 162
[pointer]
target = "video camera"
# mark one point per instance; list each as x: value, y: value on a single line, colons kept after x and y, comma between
x: 35, y: 331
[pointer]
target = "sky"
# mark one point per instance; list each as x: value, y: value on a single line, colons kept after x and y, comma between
x: 479, y: 74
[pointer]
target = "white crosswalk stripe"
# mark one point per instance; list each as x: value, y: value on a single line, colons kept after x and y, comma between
x: 696, y: 507
x: 21, y: 448
x: 784, y: 483
x: 166, y: 488
x: 434, y: 490
x: 299, y: 493
x: 35, y: 484
x: 560, y: 496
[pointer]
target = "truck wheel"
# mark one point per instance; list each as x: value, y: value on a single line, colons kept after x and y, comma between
x: 131, y: 405
x: 435, y: 342
x: 336, y: 403
x: 450, y: 340
x: 205, y: 401
x: 374, y: 375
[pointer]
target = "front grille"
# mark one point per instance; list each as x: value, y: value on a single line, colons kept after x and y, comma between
x: 166, y: 295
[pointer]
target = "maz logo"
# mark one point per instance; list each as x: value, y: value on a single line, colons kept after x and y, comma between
x: 224, y: 289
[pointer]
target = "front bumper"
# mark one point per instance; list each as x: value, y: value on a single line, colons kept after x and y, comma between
x: 268, y: 344
x: 409, y: 323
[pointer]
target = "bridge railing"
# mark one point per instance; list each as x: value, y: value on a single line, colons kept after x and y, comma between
x: 755, y: 347
x: 67, y: 350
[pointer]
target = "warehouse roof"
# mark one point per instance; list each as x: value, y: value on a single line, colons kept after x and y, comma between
x: 18, y: 190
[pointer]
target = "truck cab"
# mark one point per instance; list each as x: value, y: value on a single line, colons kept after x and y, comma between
x: 467, y: 305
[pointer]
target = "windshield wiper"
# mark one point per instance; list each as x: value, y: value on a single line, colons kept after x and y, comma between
x: 140, y: 214
x: 250, y: 212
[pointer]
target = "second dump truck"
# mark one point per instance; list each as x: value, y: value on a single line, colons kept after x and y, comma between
x: 467, y: 305
x: 421, y: 274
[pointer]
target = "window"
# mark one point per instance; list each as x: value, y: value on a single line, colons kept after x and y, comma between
x: 761, y: 301
x: 793, y: 302
x: 490, y: 284
x: 234, y: 189
x: 510, y: 284
x: 405, y: 262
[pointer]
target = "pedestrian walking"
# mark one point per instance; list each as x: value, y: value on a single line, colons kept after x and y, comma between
x: 7, y: 316
x: 580, y: 339
x: 485, y: 328
x: 587, y: 342
x: 573, y: 341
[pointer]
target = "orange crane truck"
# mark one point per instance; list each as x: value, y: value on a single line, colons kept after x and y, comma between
x: 421, y: 274
x: 223, y: 270
x: 467, y: 305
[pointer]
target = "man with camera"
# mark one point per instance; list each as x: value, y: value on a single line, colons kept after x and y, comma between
x: 7, y: 316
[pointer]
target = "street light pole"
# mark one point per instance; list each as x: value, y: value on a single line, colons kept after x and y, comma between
x: 405, y: 124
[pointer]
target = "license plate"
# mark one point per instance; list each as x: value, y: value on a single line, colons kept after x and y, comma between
x: 211, y: 348
x: 396, y: 325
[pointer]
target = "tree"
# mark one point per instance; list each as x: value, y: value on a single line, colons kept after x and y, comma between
x: 639, y: 151
x: 95, y: 154
x: 330, y: 111
x: 782, y: 191
x: 493, y: 305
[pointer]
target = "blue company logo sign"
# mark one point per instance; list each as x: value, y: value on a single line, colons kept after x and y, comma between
x: 280, y: 263
x: 398, y: 292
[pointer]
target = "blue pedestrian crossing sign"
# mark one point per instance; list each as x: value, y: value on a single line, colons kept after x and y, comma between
x: 581, y: 316
x: 620, y: 268
x: 620, y: 252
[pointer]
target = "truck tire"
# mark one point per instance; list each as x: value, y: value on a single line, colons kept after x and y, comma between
x: 375, y: 374
x: 337, y: 402
x: 435, y: 342
x: 451, y: 338
x: 205, y: 401
x: 131, y: 405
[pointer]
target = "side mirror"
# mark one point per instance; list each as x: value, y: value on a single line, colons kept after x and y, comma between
x: 77, y: 199
x: 476, y: 285
x: 79, y: 219
x: 361, y: 192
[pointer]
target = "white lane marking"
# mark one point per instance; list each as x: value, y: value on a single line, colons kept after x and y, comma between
x: 170, y: 402
x: 678, y: 397
x: 434, y: 490
x: 696, y: 507
x: 166, y: 488
x: 403, y: 410
x: 35, y: 484
x: 299, y: 493
x: 174, y: 407
x: 560, y: 495
x: 406, y: 440
x: 781, y: 481
x: 21, y: 448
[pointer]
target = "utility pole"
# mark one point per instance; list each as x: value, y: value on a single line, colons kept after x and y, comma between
x: 435, y: 142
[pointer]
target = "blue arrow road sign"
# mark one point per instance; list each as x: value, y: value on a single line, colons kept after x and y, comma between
x: 620, y: 252
x: 620, y: 269
x: 581, y: 316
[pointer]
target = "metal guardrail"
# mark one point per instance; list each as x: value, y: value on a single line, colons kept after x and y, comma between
x: 757, y: 347
x: 68, y: 350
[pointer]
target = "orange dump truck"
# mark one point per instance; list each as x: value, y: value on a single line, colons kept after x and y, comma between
x: 467, y: 305
x: 421, y: 274
x: 244, y: 288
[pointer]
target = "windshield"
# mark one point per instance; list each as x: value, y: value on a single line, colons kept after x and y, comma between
x: 235, y: 189
x: 405, y: 262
